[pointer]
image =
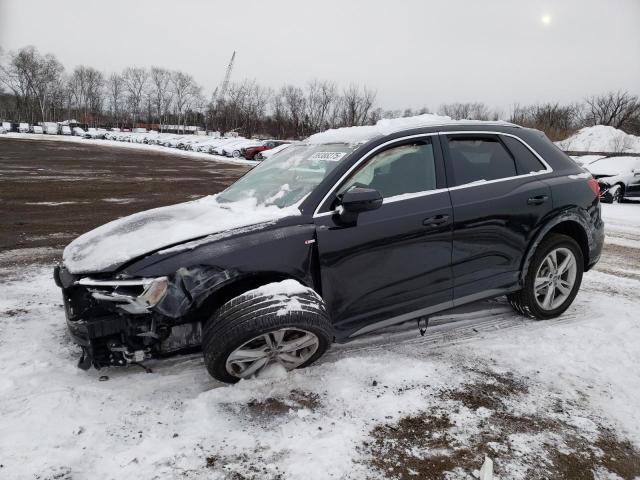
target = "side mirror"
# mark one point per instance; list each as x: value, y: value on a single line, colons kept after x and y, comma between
x: 359, y: 199
x: 356, y: 201
x: 636, y: 172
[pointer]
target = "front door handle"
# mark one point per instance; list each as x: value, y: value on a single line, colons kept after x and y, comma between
x: 435, y: 221
x: 538, y: 200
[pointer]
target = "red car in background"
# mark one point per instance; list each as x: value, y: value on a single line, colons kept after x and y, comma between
x: 251, y: 152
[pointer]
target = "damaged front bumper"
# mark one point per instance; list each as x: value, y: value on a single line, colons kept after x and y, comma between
x: 120, y: 321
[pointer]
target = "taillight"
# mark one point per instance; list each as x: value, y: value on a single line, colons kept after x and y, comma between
x: 593, y: 185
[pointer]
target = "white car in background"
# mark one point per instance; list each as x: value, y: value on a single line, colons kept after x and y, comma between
x: 78, y: 131
x: 24, y: 128
x: 37, y: 129
x: 6, y: 126
x: 618, y: 178
x: 228, y: 149
x: 217, y: 149
x: 65, y: 130
x: 263, y: 155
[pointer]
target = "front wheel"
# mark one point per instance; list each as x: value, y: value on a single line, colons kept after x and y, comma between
x: 553, y: 279
x: 282, y: 324
x: 617, y: 193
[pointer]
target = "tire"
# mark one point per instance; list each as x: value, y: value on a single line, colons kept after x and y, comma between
x: 527, y: 303
x: 617, y: 193
x: 244, y: 322
x: 235, y: 154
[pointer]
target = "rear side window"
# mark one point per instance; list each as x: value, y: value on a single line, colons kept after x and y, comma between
x: 526, y: 161
x: 476, y: 159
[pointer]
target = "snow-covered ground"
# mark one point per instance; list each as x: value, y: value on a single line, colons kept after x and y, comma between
x: 543, y: 399
x: 134, y: 146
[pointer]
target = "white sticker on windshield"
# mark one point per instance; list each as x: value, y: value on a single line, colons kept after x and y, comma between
x: 327, y: 156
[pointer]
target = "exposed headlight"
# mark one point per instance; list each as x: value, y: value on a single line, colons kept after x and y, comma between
x: 134, y: 296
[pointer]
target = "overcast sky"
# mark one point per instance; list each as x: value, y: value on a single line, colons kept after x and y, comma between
x: 412, y: 52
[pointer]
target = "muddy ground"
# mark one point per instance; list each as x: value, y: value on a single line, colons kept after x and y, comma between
x: 51, y: 191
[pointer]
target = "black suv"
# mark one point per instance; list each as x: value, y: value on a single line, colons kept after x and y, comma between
x: 327, y: 240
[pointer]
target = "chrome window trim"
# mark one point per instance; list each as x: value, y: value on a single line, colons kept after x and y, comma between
x: 548, y: 168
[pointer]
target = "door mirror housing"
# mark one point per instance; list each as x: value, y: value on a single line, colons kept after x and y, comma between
x: 360, y: 199
x: 636, y: 172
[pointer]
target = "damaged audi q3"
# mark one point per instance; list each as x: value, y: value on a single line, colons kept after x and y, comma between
x: 345, y: 233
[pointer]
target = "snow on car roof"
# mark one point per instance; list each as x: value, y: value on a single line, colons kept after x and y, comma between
x: 613, y: 165
x: 387, y: 126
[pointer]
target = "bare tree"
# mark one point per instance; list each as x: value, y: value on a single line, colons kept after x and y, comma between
x: 320, y: 97
x: 356, y: 104
x: 87, y: 85
x: 466, y: 111
x: 115, y: 97
x: 34, y: 79
x: 135, y: 81
x: 616, y: 109
x: 161, y: 93
x: 185, y: 90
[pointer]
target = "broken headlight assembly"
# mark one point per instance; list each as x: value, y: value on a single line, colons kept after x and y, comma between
x: 135, y: 296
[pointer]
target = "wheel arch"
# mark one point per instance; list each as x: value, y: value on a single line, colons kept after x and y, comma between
x: 236, y: 286
x: 570, y: 224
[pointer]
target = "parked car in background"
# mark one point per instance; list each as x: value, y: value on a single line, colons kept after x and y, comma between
x: 250, y: 152
x: 24, y: 128
x: 264, y: 154
x: 618, y: 177
x: 7, y: 126
x: 228, y: 143
x: 37, y: 129
x: 65, y: 130
x: 50, y: 128
x: 78, y: 131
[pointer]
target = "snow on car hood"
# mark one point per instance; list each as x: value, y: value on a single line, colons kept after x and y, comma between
x: 130, y: 237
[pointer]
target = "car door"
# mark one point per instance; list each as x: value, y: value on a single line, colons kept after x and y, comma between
x: 395, y: 261
x: 498, y: 203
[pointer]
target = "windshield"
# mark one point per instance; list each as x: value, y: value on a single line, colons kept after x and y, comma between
x: 288, y: 176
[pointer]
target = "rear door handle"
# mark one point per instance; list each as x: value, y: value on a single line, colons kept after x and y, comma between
x: 435, y: 220
x: 538, y: 200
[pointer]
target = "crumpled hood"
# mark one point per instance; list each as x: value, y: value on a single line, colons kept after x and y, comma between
x: 112, y: 244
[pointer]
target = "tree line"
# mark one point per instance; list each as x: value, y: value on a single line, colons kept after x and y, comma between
x: 36, y: 87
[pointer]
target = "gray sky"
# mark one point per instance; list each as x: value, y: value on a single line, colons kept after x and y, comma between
x: 412, y: 52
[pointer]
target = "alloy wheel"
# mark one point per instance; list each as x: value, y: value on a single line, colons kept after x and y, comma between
x: 555, y: 278
x: 290, y: 347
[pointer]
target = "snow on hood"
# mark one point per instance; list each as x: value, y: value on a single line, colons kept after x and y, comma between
x: 384, y: 127
x: 601, y: 138
x: 614, y: 166
x: 130, y: 237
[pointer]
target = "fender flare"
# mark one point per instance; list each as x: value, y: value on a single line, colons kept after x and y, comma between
x: 572, y: 214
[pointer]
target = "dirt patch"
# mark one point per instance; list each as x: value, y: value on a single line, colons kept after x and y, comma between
x: 53, y: 191
x: 452, y: 439
x: 296, y: 400
x: 489, y: 392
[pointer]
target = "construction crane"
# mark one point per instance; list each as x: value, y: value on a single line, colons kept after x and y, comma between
x: 225, y: 83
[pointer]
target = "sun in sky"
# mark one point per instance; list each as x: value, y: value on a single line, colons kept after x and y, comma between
x: 546, y: 19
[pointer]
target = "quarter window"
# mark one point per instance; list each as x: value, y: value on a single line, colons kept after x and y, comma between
x: 526, y: 161
x: 398, y: 170
x: 476, y: 159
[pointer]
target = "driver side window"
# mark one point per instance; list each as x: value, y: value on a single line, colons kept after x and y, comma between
x: 398, y: 170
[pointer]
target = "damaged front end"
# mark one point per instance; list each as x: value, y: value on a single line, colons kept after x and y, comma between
x: 120, y: 321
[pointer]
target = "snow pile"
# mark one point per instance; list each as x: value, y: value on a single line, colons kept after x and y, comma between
x: 601, y: 138
x: 133, y: 236
x: 382, y: 127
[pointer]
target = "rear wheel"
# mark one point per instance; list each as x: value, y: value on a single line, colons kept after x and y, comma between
x: 553, y: 279
x: 255, y: 331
